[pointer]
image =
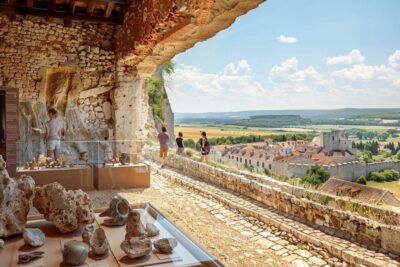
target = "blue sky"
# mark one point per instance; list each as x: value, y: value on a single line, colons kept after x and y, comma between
x: 291, y: 54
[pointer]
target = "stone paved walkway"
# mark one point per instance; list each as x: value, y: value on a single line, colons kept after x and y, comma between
x: 204, y: 221
x: 295, y: 241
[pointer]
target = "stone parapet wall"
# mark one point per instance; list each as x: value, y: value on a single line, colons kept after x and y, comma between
x: 367, y: 231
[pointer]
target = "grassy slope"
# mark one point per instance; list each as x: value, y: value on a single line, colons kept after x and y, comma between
x: 393, y: 187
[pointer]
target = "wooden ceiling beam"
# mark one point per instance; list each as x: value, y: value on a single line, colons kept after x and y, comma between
x: 29, y: 3
x: 52, y: 5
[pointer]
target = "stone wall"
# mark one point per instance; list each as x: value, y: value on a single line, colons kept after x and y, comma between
x: 70, y: 68
x: 381, y: 231
x: 349, y: 171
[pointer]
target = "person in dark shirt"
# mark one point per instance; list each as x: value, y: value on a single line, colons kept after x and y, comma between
x: 180, y: 150
x: 205, y: 147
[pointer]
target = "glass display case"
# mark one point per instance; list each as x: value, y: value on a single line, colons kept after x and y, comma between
x: 187, y: 252
x: 86, y: 165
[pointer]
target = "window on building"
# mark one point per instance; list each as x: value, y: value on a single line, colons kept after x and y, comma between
x: 263, y: 164
x: 249, y: 161
x: 258, y: 164
x: 269, y: 166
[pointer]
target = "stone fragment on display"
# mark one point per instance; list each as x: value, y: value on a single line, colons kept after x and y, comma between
x: 118, y: 211
x: 33, y: 237
x: 152, y: 230
x: 165, y: 245
x: 97, y: 241
x: 136, y: 247
x: 134, y: 227
x: 28, y: 257
x: 75, y: 253
x: 15, y: 196
x: 67, y: 209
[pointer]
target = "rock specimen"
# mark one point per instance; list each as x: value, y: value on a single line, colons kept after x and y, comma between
x: 165, y: 245
x: 152, y: 230
x: 134, y: 227
x: 67, y: 209
x: 75, y: 253
x: 28, y: 257
x: 118, y: 211
x: 33, y: 237
x: 136, y: 247
x: 3, y: 170
x: 97, y: 241
x: 2, y: 243
x: 15, y: 195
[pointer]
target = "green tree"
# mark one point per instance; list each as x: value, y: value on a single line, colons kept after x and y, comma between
x: 361, y: 180
x: 155, y: 90
x: 169, y: 67
x: 365, y: 156
x: 398, y: 155
x: 316, y: 175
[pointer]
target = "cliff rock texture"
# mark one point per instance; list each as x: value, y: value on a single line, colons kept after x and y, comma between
x: 95, y: 73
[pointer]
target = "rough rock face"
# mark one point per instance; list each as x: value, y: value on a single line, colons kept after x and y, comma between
x: 67, y: 209
x: 15, y: 195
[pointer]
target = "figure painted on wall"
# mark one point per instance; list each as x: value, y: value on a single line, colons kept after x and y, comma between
x: 54, y: 132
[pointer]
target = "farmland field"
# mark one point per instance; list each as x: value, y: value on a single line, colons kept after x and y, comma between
x: 193, y: 131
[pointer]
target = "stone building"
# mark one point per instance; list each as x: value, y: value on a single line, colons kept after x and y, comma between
x: 294, y: 158
x: 93, y: 60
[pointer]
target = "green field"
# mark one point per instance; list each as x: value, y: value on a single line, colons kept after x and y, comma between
x: 193, y: 131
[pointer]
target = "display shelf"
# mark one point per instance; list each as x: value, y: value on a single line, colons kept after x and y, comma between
x: 74, y: 177
x: 122, y: 176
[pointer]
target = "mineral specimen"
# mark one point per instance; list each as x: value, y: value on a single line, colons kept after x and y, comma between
x: 33, y: 237
x: 75, y: 253
x: 136, y: 247
x: 165, y: 245
x: 67, y: 209
x: 134, y: 227
x: 118, y: 211
x: 152, y: 230
x: 28, y: 257
x: 97, y: 241
x: 15, y: 195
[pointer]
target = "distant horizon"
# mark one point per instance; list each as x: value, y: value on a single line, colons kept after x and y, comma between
x: 283, y: 109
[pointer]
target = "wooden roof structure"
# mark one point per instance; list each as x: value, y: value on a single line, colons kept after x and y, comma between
x: 107, y: 11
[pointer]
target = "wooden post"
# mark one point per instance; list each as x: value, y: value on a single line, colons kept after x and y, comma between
x: 11, y: 128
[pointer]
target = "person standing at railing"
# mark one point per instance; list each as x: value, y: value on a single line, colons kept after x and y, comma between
x: 204, y: 147
x: 163, y: 138
x: 54, y: 130
x: 180, y: 149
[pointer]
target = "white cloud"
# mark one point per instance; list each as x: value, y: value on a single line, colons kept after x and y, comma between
x: 192, y: 89
x: 289, y: 72
x: 394, y: 60
x: 286, y: 39
x: 288, y: 86
x: 362, y: 72
x: 353, y: 57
